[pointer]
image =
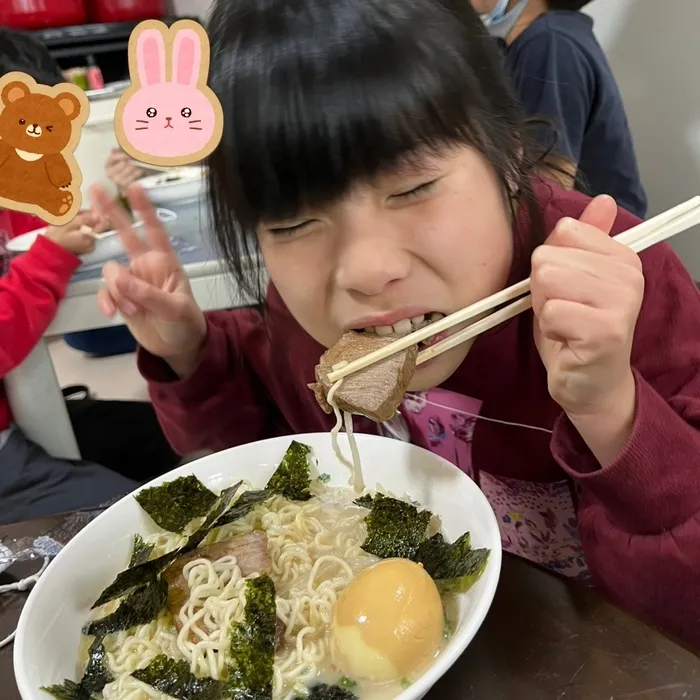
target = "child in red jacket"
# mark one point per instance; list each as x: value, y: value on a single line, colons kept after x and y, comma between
x: 33, y: 484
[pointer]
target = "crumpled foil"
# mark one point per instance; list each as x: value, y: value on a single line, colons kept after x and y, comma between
x: 49, y: 544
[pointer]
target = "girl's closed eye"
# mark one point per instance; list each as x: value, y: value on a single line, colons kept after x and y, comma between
x: 291, y: 229
x: 415, y: 192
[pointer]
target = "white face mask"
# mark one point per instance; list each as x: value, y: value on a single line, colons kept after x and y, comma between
x: 500, y: 21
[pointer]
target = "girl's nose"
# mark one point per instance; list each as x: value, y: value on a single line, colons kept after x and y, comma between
x: 370, y: 262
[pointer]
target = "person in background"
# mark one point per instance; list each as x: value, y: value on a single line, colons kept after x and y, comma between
x: 20, y: 51
x: 560, y: 73
x: 122, y: 170
x: 32, y: 483
x: 122, y: 435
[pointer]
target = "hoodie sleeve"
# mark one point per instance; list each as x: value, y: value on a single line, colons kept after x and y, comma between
x: 29, y: 297
x: 221, y: 403
x: 640, y: 516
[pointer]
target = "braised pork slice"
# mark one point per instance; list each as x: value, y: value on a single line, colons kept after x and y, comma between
x: 376, y: 391
x: 252, y: 556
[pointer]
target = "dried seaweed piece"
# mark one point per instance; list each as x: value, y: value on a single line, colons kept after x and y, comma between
x: 216, y: 513
x: 96, y: 675
x: 252, y: 645
x: 68, y: 690
x: 135, y: 577
x: 292, y: 478
x: 140, y: 551
x: 144, y: 573
x: 433, y: 551
x: 322, y: 691
x: 175, y: 679
x: 365, y: 501
x: 141, y: 606
x: 395, y: 529
x: 94, y: 679
x: 243, y: 505
x: 455, y: 567
x: 174, y: 504
x: 461, y: 575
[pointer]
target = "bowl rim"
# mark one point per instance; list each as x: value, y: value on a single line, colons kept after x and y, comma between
x: 442, y: 664
x: 164, y: 215
x: 150, y: 182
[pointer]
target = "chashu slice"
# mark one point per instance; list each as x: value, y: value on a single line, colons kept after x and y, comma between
x: 252, y: 556
x: 376, y: 391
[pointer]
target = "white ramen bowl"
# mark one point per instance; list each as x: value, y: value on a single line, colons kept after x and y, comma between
x: 48, y: 633
x: 108, y: 245
x: 175, y: 185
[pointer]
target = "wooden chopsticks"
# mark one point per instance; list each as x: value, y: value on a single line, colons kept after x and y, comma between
x: 641, y: 237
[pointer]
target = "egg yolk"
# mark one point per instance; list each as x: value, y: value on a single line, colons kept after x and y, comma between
x: 387, y: 623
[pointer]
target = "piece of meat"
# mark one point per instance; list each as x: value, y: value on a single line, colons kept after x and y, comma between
x: 376, y: 391
x: 252, y: 556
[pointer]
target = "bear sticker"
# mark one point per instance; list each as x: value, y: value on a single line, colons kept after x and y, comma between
x: 40, y: 127
x: 169, y: 116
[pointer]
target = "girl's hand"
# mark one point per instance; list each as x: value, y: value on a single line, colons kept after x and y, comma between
x: 72, y: 236
x: 153, y: 294
x: 587, y: 291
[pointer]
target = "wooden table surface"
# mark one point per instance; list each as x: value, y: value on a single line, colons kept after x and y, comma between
x: 544, y: 638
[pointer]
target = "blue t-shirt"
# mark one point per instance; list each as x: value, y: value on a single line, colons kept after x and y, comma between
x: 561, y: 73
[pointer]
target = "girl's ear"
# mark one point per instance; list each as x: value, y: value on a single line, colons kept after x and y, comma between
x: 150, y: 57
x: 187, y: 58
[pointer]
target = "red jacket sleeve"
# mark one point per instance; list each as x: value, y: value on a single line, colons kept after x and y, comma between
x: 219, y: 405
x: 640, y: 517
x: 29, y: 296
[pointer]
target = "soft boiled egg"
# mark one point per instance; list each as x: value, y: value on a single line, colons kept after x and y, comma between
x: 387, y: 623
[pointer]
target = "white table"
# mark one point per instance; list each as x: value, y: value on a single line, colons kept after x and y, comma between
x: 33, y: 389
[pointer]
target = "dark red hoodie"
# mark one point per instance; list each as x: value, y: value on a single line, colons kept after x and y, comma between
x: 638, y: 519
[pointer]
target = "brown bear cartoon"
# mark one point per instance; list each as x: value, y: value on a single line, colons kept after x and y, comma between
x: 39, y: 129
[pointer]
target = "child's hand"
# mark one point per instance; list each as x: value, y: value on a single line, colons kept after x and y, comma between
x: 72, y: 237
x: 153, y: 294
x: 121, y: 170
x: 587, y: 291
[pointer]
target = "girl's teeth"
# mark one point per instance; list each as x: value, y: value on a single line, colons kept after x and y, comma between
x: 403, y: 327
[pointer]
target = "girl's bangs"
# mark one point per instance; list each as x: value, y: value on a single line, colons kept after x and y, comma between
x: 307, y: 117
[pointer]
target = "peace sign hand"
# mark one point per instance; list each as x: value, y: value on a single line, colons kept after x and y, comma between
x: 152, y: 294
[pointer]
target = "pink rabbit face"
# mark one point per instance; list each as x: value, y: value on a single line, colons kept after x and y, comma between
x: 169, y: 119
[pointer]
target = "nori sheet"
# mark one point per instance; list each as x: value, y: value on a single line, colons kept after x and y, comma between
x: 292, y: 479
x: 174, y: 504
x: 395, y: 529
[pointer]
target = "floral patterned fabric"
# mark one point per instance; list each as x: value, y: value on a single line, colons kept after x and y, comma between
x: 537, y: 520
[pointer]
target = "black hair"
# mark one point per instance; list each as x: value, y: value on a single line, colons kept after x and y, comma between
x: 320, y: 94
x: 20, y: 51
x: 573, y: 5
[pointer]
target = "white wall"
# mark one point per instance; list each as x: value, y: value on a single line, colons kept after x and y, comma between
x: 653, y: 49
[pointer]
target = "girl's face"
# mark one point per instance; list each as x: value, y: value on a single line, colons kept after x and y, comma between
x: 432, y: 236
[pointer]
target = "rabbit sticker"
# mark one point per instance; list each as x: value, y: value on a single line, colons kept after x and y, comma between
x: 169, y: 116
